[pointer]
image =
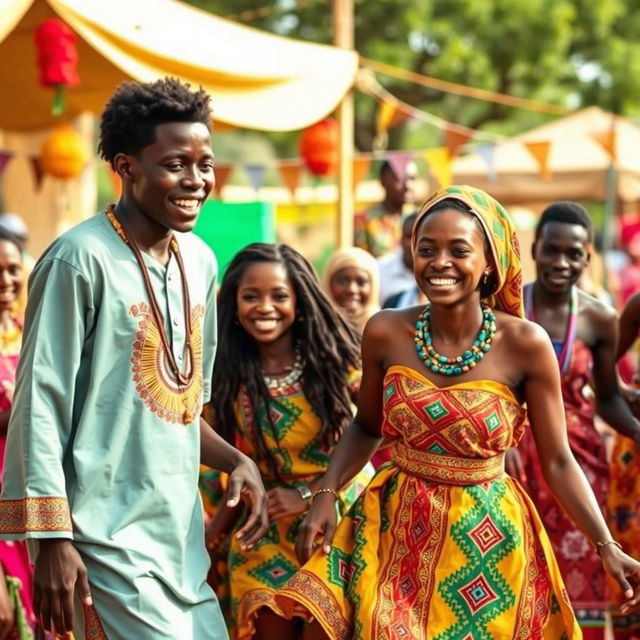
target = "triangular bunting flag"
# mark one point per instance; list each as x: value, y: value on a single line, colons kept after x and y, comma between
x: 361, y: 165
x: 5, y: 156
x: 399, y: 161
x: 290, y: 173
x: 608, y: 140
x: 487, y: 152
x: 38, y: 171
x: 439, y: 161
x: 540, y: 151
x: 455, y: 139
x: 255, y: 173
x: 116, y: 182
x: 389, y: 115
x: 386, y: 113
x: 222, y: 173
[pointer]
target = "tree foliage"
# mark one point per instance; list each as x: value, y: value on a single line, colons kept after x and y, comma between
x: 567, y: 52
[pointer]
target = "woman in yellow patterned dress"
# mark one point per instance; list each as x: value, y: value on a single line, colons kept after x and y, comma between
x: 286, y: 375
x: 442, y: 545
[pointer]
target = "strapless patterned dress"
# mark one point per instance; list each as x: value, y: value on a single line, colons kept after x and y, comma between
x: 442, y: 545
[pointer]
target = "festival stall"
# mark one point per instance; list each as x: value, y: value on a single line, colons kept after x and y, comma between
x: 258, y: 81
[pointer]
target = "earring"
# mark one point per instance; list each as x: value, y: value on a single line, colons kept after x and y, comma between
x: 299, y: 317
x: 485, y: 278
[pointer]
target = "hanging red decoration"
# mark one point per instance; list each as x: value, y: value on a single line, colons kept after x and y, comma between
x: 320, y: 147
x: 57, y: 59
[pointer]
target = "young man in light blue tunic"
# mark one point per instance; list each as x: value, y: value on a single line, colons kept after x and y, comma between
x: 105, y: 438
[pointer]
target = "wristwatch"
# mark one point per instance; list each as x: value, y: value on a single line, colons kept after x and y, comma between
x: 304, y: 491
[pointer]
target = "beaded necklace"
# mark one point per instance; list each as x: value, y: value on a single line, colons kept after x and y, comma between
x: 564, y: 356
x: 280, y: 384
x: 460, y: 364
x: 183, y: 378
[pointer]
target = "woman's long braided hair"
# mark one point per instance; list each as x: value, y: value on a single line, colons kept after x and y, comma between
x: 330, y: 347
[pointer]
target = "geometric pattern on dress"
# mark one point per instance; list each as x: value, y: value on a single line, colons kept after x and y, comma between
x: 236, y: 559
x: 282, y: 459
x: 450, y: 421
x: 477, y: 592
x: 283, y: 414
x: 317, y: 452
x: 270, y: 537
x: 340, y: 567
x: 486, y: 535
x: 389, y: 490
x: 357, y: 561
x: 536, y: 604
x: 292, y: 529
x: 407, y: 578
x: 274, y: 572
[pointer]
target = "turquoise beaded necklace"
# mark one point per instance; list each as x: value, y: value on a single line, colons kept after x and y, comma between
x: 460, y: 364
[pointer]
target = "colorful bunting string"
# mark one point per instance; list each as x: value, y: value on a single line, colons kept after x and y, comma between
x: 461, y: 89
x: 369, y: 85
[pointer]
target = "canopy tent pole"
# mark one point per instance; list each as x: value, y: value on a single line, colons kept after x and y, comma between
x: 344, y: 38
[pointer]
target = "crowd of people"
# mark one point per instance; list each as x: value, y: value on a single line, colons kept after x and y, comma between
x: 408, y: 447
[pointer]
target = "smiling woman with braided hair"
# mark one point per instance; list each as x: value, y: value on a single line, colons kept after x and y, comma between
x: 284, y: 383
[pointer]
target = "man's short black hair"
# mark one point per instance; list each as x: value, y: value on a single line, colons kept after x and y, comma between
x: 566, y: 212
x: 134, y: 111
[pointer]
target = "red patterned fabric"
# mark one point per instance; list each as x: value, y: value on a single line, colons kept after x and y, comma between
x: 580, y: 566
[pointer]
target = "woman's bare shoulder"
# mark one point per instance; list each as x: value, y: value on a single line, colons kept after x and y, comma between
x: 521, y: 335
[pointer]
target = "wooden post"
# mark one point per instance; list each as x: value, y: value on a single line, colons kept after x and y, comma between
x: 344, y: 38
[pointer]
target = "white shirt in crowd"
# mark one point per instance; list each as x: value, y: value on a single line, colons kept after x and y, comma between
x: 394, y: 275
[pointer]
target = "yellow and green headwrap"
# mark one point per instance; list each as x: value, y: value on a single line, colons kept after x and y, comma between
x: 502, y: 239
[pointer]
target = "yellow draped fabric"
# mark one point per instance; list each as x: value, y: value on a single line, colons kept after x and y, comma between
x: 258, y: 80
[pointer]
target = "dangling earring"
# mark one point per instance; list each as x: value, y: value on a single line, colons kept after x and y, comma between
x: 299, y: 317
x: 236, y: 320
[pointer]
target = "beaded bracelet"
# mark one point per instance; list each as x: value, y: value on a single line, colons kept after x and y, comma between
x: 601, y: 545
x: 333, y: 492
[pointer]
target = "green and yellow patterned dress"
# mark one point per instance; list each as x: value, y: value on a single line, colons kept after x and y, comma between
x: 300, y: 458
x: 442, y: 544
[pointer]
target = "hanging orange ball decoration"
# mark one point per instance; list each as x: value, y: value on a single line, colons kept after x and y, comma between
x: 63, y: 154
x: 320, y: 147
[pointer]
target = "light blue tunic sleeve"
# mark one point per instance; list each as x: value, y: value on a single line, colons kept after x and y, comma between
x: 34, y: 501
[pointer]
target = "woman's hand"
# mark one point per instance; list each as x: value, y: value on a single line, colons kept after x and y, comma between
x: 319, y: 522
x: 245, y: 483
x: 284, y: 502
x: 626, y: 571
